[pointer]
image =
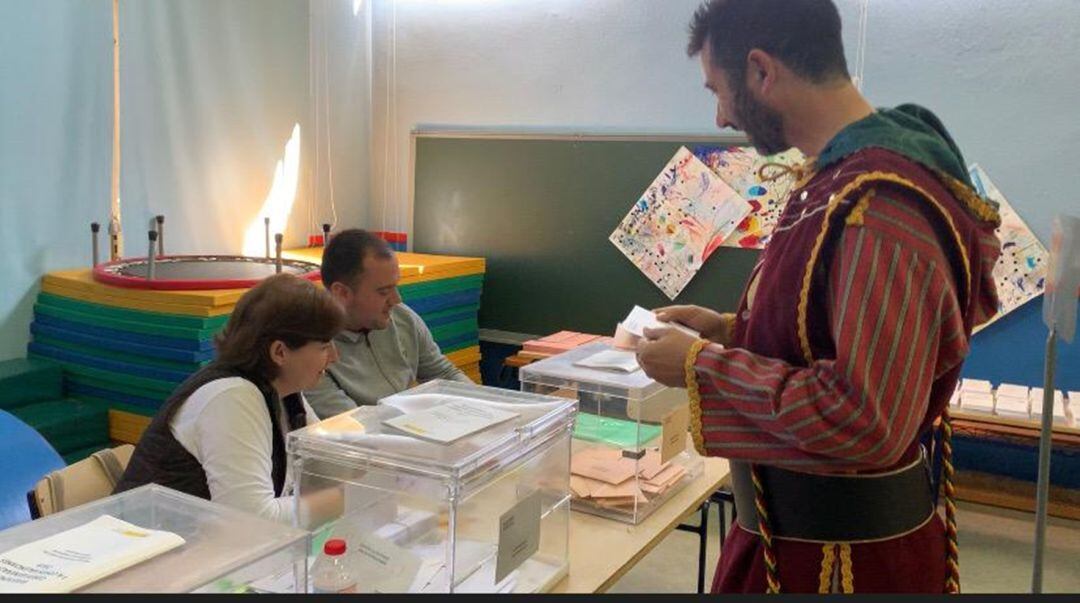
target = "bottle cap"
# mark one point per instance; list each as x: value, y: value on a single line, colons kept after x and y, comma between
x: 334, y: 546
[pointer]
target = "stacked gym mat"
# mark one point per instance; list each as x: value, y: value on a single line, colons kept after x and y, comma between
x: 125, y: 349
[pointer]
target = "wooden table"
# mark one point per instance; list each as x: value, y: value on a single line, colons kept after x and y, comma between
x: 603, y: 550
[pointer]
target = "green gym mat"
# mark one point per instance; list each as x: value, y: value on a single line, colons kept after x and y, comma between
x: 25, y: 381
x: 466, y: 309
x: 455, y: 328
x: 161, y: 318
x: 67, y: 424
x: 439, y: 287
x: 146, y: 328
x: 616, y: 432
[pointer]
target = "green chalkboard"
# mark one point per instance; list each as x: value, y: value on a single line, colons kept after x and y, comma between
x: 540, y: 209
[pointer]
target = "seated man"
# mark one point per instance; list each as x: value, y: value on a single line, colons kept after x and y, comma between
x: 385, y: 346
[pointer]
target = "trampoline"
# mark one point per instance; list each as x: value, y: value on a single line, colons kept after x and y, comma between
x: 195, y: 272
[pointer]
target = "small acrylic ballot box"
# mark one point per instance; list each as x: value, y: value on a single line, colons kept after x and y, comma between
x: 630, y: 448
x: 225, y: 550
x: 486, y: 512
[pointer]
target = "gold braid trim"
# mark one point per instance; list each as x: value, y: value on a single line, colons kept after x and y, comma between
x: 695, y: 394
x: 847, y: 573
x: 837, y: 199
x: 978, y: 206
x: 858, y: 213
x: 828, y: 565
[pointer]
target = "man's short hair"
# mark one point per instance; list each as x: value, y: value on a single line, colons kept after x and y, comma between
x: 343, y: 259
x: 803, y: 34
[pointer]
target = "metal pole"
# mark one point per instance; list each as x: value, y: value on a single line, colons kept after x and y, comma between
x: 94, y: 229
x: 1043, y: 488
x: 150, y: 255
x: 277, y: 244
x: 160, y: 220
x: 266, y: 232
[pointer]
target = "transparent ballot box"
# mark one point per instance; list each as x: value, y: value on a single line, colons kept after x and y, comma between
x: 446, y: 487
x: 223, y: 550
x: 630, y: 444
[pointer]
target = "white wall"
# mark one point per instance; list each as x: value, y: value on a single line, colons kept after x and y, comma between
x: 55, y: 145
x: 210, y: 92
x: 1003, y: 75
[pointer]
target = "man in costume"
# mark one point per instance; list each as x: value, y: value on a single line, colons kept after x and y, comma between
x: 850, y: 335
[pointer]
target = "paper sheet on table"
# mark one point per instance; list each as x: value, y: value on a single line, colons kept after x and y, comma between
x: 73, y: 558
x: 451, y: 421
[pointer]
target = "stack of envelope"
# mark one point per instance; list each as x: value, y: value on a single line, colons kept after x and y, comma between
x: 606, y: 478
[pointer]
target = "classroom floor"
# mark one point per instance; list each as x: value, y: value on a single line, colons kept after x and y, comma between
x: 995, y: 556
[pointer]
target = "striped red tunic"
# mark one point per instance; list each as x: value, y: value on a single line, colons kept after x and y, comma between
x: 895, y: 319
x: 847, y: 345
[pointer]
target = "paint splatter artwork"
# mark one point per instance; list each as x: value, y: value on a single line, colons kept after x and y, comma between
x: 684, y: 215
x: 1020, y: 272
x: 740, y: 168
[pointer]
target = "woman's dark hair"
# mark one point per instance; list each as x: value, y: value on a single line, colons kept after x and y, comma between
x: 282, y: 307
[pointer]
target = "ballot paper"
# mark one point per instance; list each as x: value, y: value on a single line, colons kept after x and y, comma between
x: 977, y: 402
x: 632, y: 328
x: 977, y: 395
x: 611, y: 360
x: 451, y: 421
x: 71, y: 559
x: 975, y: 385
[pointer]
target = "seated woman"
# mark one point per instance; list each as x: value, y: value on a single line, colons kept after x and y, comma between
x: 221, y: 436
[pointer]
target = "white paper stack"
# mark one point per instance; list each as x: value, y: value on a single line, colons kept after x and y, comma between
x: 1060, y: 418
x: 1012, y: 401
x: 954, y: 399
x: 976, y: 395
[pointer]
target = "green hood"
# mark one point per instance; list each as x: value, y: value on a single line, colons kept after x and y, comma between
x: 909, y: 130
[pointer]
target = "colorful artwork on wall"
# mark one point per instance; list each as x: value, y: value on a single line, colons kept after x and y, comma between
x: 684, y: 215
x: 741, y: 168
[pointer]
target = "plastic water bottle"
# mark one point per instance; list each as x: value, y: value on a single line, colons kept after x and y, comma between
x: 331, y: 573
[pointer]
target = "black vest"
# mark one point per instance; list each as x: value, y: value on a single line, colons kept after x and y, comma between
x: 160, y: 459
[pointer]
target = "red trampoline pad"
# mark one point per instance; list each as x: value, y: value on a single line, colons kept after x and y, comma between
x: 199, y: 272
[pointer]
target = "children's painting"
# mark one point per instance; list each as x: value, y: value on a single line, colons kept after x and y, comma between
x: 684, y: 215
x: 1020, y: 272
x: 765, y: 189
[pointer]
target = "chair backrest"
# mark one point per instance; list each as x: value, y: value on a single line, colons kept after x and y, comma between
x: 87, y: 480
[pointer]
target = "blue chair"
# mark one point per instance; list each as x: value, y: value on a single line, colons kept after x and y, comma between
x: 25, y: 458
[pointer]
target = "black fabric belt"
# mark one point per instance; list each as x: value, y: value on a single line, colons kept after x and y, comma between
x: 836, y: 508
